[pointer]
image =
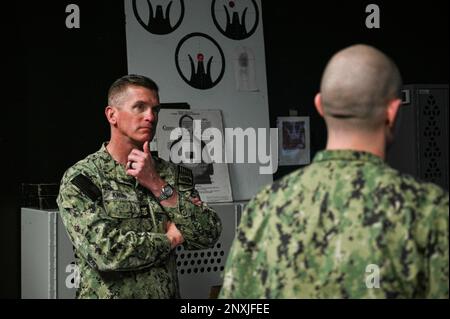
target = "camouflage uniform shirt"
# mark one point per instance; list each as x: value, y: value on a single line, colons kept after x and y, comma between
x: 117, y: 228
x: 346, y: 226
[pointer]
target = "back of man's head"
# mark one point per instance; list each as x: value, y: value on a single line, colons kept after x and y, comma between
x: 356, y: 87
x: 120, y: 85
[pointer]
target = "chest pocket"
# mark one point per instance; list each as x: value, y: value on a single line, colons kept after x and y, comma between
x: 121, y: 201
x: 132, y: 210
x: 128, y: 215
x: 119, y: 208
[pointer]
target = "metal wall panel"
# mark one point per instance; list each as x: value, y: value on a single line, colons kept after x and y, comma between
x: 420, y: 145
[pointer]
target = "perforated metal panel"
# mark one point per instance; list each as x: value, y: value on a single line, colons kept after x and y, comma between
x: 199, y: 271
x: 194, y: 262
x: 421, y: 136
x: 433, y: 135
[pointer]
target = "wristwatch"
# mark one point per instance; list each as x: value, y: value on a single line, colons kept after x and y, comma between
x: 166, y: 192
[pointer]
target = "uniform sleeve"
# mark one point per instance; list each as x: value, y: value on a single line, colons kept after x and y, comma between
x: 100, y: 239
x: 199, y: 225
x: 437, y: 249
x: 245, y: 269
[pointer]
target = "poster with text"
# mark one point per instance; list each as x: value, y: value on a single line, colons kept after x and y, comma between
x: 191, y: 148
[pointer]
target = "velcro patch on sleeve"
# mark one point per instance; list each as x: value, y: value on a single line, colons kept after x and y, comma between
x: 185, y: 179
x: 87, y: 187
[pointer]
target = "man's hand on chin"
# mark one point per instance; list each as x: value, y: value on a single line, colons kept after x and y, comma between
x: 141, y: 166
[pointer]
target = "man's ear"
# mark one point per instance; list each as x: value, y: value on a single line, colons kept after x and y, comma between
x: 392, y: 111
x: 318, y: 104
x: 111, y: 114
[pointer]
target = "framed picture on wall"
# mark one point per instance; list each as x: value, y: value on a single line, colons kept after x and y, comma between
x: 293, y: 140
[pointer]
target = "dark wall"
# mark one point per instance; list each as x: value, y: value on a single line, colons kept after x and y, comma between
x: 68, y: 73
x: 300, y: 38
x: 59, y: 81
x: 59, y: 77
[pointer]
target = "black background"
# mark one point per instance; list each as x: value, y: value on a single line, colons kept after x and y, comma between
x: 55, y: 80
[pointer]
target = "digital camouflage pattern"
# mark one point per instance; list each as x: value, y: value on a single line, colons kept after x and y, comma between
x: 318, y: 232
x: 119, y: 238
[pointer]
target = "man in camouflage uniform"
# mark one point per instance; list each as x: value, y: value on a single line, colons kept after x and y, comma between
x: 348, y: 225
x: 125, y: 211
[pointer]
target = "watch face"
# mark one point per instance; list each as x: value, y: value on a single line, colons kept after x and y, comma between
x: 168, y: 190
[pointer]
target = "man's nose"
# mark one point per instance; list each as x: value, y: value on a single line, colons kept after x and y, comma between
x: 150, y: 115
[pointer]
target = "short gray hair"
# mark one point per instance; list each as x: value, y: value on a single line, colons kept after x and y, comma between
x: 121, y: 84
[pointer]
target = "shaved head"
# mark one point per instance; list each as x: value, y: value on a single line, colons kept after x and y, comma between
x: 356, y: 87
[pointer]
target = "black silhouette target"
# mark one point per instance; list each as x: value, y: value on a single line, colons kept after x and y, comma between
x: 156, y: 18
x: 200, y: 61
x: 233, y: 18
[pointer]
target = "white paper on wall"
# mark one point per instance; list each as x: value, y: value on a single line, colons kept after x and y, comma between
x: 244, y: 70
x: 212, y: 179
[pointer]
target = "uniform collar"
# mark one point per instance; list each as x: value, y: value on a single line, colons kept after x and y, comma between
x: 113, y: 169
x: 347, y: 155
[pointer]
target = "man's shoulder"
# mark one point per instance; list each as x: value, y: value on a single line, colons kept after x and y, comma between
x: 88, y: 166
x: 431, y: 194
x: 165, y: 167
x: 414, y: 187
x: 80, y: 177
x: 175, y: 174
x: 281, y: 188
x: 380, y: 178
